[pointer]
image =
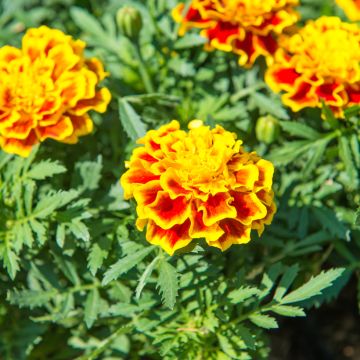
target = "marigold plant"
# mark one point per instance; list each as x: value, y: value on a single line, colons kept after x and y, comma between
x: 247, y: 28
x: 351, y: 8
x: 200, y: 184
x: 47, y: 88
x: 319, y: 63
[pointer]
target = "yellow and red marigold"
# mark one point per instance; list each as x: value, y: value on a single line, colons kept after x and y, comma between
x: 351, y: 8
x: 46, y: 90
x: 319, y: 63
x: 245, y: 27
x: 198, y: 184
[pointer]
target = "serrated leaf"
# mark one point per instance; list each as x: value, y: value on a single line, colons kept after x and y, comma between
x: 300, y: 130
x: 40, y: 231
x: 11, y: 262
x: 125, y: 264
x: 286, y: 310
x: 99, y: 251
x: 226, y: 346
x: 131, y: 121
x: 44, y: 169
x: 242, y: 294
x: 313, y: 287
x: 91, y: 309
x: 264, y: 321
x: 168, y: 283
x: 80, y: 230
x: 286, y: 281
x: 30, y: 298
x: 145, y: 277
x: 49, y: 204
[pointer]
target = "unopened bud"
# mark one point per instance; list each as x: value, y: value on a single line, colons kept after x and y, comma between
x: 267, y: 129
x: 129, y: 21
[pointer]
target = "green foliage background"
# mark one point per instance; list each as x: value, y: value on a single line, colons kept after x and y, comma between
x: 79, y: 282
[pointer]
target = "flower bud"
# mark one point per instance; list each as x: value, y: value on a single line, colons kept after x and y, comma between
x: 129, y: 21
x: 267, y: 129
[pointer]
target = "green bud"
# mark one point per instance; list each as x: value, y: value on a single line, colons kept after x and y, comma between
x: 267, y: 129
x: 9, y: 224
x: 129, y: 21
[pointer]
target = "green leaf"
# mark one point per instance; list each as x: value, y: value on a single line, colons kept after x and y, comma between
x: 270, y: 106
x: 345, y: 154
x: 30, y: 298
x: 131, y: 121
x: 49, y: 204
x: 287, y: 310
x: 11, y: 262
x: 145, y: 277
x: 125, y: 264
x: 313, y: 287
x: 91, y: 309
x: 44, y: 169
x: 264, y: 321
x: 189, y: 41
x: 168, y: 283
x: 99, y: 251
x: 226, y: 346
x: 242, y: 294
x: 60, y: 235
x: 286, y: 281
x: 300, y: 130
x: 80, y: 230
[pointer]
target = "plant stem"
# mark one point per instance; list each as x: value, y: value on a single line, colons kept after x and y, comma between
x: 149, y: 87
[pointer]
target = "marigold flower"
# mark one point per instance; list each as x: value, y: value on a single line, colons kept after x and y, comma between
x: 198, y: 184
x: 319, y: 63
x: 351, y: 8
x: 245, y: 27
x: 47, y: 88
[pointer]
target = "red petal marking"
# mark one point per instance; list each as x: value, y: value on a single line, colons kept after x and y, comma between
x: 326, y: 91
x: 217, y: 208
x: 246, y: 207
x: 141, y: 176
x: 167, y: 212
x: 233, y: 230
x: 170, y: 236
x: 285, y: 76
x: 301, y: 94
x: 354, y: 95
x: 222, y: 31
x: 245, y: 45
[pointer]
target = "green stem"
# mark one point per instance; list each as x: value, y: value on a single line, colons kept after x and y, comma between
x: 106, y: 343
x: 149, y: 87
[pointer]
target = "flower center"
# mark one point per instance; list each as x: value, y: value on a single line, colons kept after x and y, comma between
x: 330, y: 53
x: 29, y: 84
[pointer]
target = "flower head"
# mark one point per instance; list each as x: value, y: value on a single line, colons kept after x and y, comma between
x: 319, y: 63
x: 198, y: 184
x: 351, y: 8
x: 245, y: 27
x: 46, y: 90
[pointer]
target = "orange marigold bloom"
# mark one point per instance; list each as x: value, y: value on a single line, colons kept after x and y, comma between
x: 198, y: 184
x: 319, y: 63
x: 351, y: 8
x: 46, y: 90
x: 245, y: 27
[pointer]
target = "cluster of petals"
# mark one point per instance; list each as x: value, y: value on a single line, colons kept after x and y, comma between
x: 46, y: 90
x: 320, y: 63
x: 351, y: 8
x: 198, y: 184
x: 248, y: 28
